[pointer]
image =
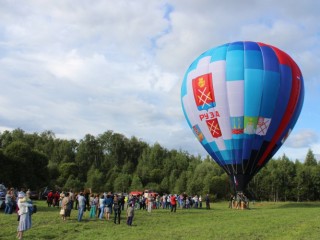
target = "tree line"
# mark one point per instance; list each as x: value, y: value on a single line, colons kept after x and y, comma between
x: 113, y: 162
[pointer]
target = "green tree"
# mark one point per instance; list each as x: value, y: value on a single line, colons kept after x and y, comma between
x: 201, y: 172
x: 219, y: 186
x: 114, y: 147
x: 181, y: 183
x: 136, y: 184
x: 122, y: 183
x: 156, y: 175
x: 128, y: 168
x: 64, y: 151
x: 310, y: 180
x: 315, y: 176
x: 45, y: 143
x: 54, y: 173
x: 18, y: 135
x: 65, y: 171
x: 5, y: 139
x: 286, y: 178
x: 18, y: 154
x: 135, y: 148
x: 89, y: 153
x: 7, y: 169
x: 266, y: 181
x: 38, y: 176
x: 152, y: 186
x: 310, y: 159
x: 73, y: 183
x: 95, y: 180
x: 143, y: 168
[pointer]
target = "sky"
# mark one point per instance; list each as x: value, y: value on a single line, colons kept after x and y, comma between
x: 86, y: 67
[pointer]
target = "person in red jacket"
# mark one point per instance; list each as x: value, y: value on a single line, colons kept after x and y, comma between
x: 56, y: 199
x: 50, y: 198
x: 173, y: 202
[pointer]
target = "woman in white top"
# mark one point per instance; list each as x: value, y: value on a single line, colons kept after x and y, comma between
x: 101, y: 206
x: 24, y: 215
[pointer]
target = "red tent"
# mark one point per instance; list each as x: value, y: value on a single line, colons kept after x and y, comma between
x: 136, y: 193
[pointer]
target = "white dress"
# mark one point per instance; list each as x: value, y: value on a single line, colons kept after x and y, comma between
x: 25, y: 217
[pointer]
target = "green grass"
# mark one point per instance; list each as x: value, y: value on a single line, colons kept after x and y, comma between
x: 263, y: 221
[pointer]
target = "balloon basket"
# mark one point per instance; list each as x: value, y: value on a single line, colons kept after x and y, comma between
x: 243, y: 206
x: 239, y: 206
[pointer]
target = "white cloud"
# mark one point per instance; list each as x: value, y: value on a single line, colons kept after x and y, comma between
x: 302, y: 139
x: 87, y: 67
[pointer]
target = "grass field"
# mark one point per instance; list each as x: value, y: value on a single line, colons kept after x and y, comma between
x: 263, y: 221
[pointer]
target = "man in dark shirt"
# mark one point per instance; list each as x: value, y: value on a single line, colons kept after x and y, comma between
x: 207, y: 202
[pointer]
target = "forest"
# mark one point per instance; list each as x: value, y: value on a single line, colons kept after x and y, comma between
x: 114, y: 162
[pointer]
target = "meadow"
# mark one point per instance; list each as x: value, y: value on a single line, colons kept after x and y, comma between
x: 264, y: 220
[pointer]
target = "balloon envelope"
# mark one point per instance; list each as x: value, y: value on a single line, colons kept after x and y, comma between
x: 241, y: 101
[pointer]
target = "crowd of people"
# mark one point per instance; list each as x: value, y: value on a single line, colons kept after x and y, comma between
x: 102, y: 206
x: 171, y: 201
x: 99, y: 206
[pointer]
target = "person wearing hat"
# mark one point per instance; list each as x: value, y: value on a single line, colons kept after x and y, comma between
x: 24, y: 215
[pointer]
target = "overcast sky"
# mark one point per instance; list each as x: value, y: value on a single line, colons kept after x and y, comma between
x: 79, y: 66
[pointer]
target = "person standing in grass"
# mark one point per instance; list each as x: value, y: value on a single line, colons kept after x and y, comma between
x: 130, y: 213
x: 82, y: 205
x: 68, y: 207
x: 188, y: 203
x: 8, y: 202
x: 24, y: 214
x: 64, y: 205
x: 56, y: 198
x: 238, y: 200
x: 231, y: 199
x: 76, y: 201
x: 173, y: 202
x: 50, y: 197
x: 92, y: 206
x: 101, y: 205
x: 207, y: 202
x: 108, y: 206
x: 71, y: 198
x: 62, y: 195
x: 122, y: 202
x: 96, y: 200
x: 116, y: 208
x: 196, y: 201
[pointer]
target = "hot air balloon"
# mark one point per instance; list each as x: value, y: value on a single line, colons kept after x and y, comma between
x: 241, y: 100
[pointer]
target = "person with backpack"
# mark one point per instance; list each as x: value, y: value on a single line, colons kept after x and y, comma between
x: 108, y: 206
